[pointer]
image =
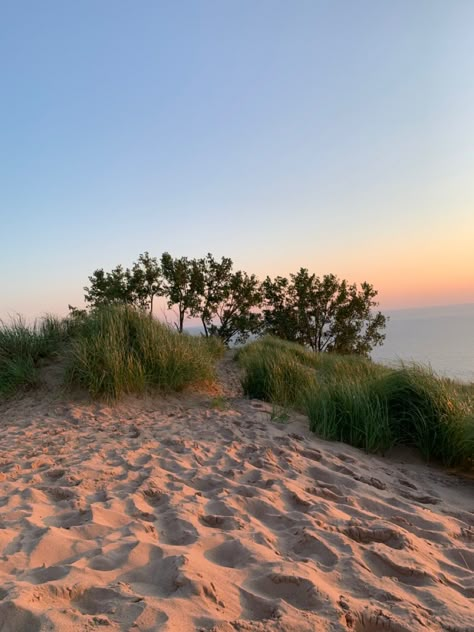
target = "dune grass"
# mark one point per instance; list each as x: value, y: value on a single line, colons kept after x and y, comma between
x: 22, y: 347
x: 117, y: 351
x: 370, y: 406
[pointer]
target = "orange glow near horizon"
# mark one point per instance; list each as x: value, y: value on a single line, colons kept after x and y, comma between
x: 417, y: 275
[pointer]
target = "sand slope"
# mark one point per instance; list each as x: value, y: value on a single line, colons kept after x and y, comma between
x: 174, y: 514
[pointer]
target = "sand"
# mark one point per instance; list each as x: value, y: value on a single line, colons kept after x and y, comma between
x: 193, y: 513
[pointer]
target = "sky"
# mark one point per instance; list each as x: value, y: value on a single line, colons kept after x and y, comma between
x: 327, y: 134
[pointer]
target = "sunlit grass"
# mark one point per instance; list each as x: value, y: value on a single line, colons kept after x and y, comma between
x: 367, y: 405
x: 22, y: 347
x: 119, y: 350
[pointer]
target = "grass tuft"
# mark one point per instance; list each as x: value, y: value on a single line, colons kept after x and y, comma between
x: 354, y: 400
x: 119, y: 350
x: 22, y: 347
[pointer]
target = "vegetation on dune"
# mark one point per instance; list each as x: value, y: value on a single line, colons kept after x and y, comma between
x: 110, y: 351
x: 351, y: 399
x: 323, y: 314
x: 119, y: 350
x: 225, y: 301
x: 315, y: 360
x: 22, y: 348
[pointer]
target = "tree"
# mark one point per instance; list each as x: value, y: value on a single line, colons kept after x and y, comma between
x: 136, y: 287
x: 227, y: 300
x: 182, y: 280
x: 108, y: 287
x: 145, y: 281
x: 324, y: 314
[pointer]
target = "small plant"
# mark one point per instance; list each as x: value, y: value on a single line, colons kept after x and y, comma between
x: 279, y: 414
x: 22, y: 347
x: 220, y: 403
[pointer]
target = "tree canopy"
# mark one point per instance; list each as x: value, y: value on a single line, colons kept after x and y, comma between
x: 228, y: 300
x: 324, y: 314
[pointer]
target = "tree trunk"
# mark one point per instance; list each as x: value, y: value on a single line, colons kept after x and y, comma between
x: 206, y: 332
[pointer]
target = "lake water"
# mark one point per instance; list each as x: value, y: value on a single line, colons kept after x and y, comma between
x: 442, y: 337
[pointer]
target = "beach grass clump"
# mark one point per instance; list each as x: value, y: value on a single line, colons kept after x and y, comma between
x: 425, y: 411
x: 119, y: 350
x: 370, y: 406
x: 351, y: 412
x: 23, y: 346
x: 275, y: 371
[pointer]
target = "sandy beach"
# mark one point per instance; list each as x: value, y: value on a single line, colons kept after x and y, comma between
x: 192, y: 513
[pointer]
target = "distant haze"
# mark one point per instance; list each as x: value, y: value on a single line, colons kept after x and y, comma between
x: 442, y: 337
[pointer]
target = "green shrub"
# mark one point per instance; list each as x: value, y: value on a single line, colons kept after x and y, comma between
x: 351, y: 399
x: 119, y: 350
x: 351, y: 412
x: 214, y: 346
x: 23, y: 346
x: 274, y: 372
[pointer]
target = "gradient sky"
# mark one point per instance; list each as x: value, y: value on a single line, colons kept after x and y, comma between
x: 335, y: 135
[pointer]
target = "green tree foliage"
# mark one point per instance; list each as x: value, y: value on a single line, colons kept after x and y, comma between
x: 136, y: 286
x: 145, y: 281
x: 108, y: 287
x: 324, y: 314
x: 227, y: 300
x: 182, y: 282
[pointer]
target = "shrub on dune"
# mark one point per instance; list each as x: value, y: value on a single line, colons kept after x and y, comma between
x: 23, y: 346
x: 119, y: 350
x: 351, y: 399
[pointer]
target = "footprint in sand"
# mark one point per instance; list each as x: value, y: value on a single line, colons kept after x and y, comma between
x: 330, y: 477
x: 299, y: 592
x: 162, y: 576
x: 307, y: 545
x: 375, y: 621
x: 54, y: 474
x: 98, y: 600
x: 270, y: 516
x: 230, y: 554
x: 13, y: 618
x: 69, y: 519
x: 384, y: 566
x: 112, y: 557
x: 226, y: 523
x: 384, y: 535
x: 44, y: 575
x: 176, y: 531
x: 59, y: 494
x: 156, y: 498
x: 257, y: 608
x: 423, y: 499
x: 329, y: 492
x: 219, y: 507
x: 312, y: 455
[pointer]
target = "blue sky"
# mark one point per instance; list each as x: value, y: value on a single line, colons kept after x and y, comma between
x: 335, y: 135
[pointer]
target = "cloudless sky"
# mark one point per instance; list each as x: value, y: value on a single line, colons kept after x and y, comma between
x: 336, y: 135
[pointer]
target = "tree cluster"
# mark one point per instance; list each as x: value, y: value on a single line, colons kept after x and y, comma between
x: 324, y: 314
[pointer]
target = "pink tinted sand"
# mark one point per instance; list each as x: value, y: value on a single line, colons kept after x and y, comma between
x: 185, y: 514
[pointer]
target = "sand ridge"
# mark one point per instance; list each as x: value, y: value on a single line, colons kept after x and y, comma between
x: 195, y: 513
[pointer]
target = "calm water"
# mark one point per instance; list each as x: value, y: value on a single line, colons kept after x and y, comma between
x: 442, y: 337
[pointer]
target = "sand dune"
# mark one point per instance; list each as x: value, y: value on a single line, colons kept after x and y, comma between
x: 180, y: 514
